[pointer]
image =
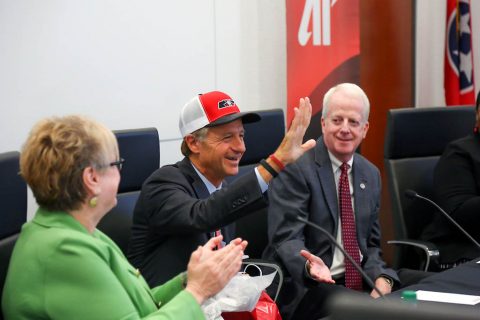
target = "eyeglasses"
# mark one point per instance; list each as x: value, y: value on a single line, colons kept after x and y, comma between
x: 118, y: 164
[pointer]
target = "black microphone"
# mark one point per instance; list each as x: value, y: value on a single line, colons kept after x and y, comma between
x: 293, y: 217
x: 412, y: 194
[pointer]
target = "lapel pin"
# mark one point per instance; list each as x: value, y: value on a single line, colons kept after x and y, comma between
x: 362, y: 185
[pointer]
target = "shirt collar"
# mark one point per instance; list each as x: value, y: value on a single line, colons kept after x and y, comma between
x: 210, y: 187
x: 337, y: 163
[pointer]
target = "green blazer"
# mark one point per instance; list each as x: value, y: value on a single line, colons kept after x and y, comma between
x: 60, y: 271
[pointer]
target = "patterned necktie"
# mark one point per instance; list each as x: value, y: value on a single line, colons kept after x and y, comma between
x: 353, y: 279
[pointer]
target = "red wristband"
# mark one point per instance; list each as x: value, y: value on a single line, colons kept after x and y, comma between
x: 277, y: 162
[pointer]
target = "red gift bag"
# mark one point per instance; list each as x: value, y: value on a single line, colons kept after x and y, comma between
x: 265, y: 309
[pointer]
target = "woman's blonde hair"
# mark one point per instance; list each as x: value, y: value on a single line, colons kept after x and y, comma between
x: 55, y: 154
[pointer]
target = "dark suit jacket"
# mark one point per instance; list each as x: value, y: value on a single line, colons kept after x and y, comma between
x: 175, y: 214
x: 457, y: 190
x: 308, y: 189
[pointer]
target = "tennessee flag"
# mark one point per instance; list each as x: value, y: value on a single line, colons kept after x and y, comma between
x: 459, y: 81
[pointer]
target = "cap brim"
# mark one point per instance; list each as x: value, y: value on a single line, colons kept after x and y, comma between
x: 247, y: 117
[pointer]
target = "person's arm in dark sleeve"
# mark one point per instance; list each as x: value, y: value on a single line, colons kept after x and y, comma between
x: 289, y: 193
x: 456, y: 187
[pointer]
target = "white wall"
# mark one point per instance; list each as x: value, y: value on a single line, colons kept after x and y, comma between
x: 133, y: 64
x: 430, y: 46
x: 128, y: 64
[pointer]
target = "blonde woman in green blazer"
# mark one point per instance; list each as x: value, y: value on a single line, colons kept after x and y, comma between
x: 62, y: 267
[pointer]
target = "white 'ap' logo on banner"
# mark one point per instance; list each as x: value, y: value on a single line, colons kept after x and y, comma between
x: 321, y: 32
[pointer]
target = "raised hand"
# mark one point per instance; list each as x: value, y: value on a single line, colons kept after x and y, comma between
x: 291, y: 147
x: 317, y: 268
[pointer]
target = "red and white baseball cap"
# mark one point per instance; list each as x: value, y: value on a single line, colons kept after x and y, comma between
x: 211, y: 109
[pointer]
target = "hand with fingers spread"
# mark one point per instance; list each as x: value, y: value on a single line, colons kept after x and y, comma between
x: 210, y: 270
x: 317, y: 268
x: 292, y: 146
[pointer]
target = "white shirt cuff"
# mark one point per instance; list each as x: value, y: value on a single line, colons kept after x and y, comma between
x: 261, y: 182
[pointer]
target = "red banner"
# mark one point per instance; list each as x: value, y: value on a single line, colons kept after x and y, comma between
x: 323, y: 49
x: 459, y: 81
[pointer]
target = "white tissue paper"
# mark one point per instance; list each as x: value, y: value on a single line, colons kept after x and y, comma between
x: 240, y: 294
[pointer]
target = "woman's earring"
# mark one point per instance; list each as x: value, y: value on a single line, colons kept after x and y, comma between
x: 93, y: 202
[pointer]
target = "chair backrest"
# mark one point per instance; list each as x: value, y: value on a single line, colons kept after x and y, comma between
x: 415, y: 139
x: 141, y: 150
x: 261, y: 139
x: 13, y: 197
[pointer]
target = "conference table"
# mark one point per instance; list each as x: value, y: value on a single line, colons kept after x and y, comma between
x: 463, y: 279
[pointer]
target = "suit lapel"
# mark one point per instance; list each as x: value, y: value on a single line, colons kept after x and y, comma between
x: 360, y: 192
x: 327, y: 180
x: 201, y: 192
x: 197, y: 184
x: 200, y: 189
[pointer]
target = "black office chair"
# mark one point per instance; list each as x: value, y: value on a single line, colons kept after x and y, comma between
x: 141, y: 150
x: 13, y: 199
x: 261, y: 139
x: 415, y: 139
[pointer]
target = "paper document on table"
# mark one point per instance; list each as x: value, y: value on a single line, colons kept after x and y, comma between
x: 447, y: 297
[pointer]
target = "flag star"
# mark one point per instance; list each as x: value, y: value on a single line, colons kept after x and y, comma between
x: 466, y: 65
x: 464, y: 19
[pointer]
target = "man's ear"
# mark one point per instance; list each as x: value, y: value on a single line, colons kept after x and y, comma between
x: 192, y: 143
x: 90, y: 179
x: 365, y: 129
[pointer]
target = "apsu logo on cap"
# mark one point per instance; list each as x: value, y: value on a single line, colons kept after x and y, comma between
x: 226, y: 103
